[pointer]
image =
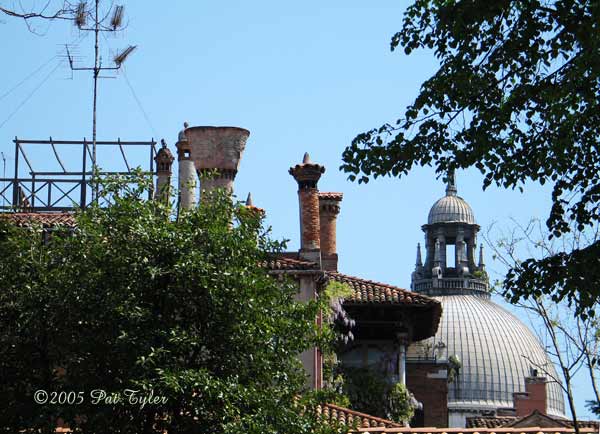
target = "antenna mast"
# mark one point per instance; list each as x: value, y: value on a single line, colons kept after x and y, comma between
x: 116, y: 22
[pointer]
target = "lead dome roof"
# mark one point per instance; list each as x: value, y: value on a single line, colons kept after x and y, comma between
x: 497, y: 351
x: 451, y: 208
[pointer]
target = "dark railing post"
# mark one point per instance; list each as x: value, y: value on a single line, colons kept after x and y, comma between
x: 83, y: 199
x: 32, y: 205
x: 15, y: 203
x: 152, y: 152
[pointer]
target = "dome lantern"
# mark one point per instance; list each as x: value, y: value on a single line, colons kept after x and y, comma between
x: 495, y: 348
x: 450, y: 241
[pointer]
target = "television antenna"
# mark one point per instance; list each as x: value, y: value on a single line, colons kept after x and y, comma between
x: 99, y: 24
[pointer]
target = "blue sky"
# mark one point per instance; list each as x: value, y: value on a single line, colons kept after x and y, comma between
x: 301, y: 76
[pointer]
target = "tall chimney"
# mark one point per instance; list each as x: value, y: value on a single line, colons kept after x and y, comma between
x: 534, y: 398
x: 187, y: 173
x: 216, y: 152
x: 164, y: 163
x: 329, y: 208
x: 307, y: 176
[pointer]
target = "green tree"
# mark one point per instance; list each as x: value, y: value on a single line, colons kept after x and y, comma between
x: 516, y: 96
x: 571, y: 342
x: 133, y: 298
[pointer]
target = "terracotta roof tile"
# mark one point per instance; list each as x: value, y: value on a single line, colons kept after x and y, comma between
x: 286, y: 263
x: 489, y: 422
x: 345, y: 416
x: 369, y: 291
x: 328, y: 195
x: 46, y: 219
x: 508, y: 421
x: 531, y: 430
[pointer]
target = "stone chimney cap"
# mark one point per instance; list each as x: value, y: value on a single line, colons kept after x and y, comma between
x: 250, y: 205
x: 307, y: 171
x: 164, y: 153
x: 182, y: 137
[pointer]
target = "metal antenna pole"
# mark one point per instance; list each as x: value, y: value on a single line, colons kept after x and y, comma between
x: 99, y: 26
x: 96, y: 72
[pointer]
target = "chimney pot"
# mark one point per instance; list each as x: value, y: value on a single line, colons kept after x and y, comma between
x: 187, y: 174
x: 329, y: 208
x: 307, y: 176
x: 217, y: 151
x: 534, y: 397
x: 164, y: 162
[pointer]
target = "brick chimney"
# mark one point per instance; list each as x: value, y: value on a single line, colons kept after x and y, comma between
x: 164, y: 163
x: 187, y: 173
x: 217, y: 150
x: 534, y: 397
x: 307, y: 176
x: 329, y: 208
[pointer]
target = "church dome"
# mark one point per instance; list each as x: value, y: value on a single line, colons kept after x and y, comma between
x: 496, y: 351
x: 451, y: 209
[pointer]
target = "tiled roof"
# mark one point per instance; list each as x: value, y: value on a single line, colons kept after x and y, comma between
x: 328, y: 195
x: 46, y: 219
x: 345, y: 416
x: 489, y: 422
x: 531, y: 430
x: 369, y: 291
x: 509, y: 421
x: 290, y: 264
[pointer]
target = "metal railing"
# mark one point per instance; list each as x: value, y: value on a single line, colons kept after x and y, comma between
x: 61, y: 190
x: 451, y: 283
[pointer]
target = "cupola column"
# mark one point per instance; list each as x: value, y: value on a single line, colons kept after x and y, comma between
x: 458, y: 248
x: 441, y: 237
x: 403, y: 341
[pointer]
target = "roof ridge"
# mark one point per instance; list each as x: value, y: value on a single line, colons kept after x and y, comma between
x: 370, y: 281
x: 363, y: 415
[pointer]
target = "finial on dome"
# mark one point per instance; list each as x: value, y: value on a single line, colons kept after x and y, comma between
x: 451, y: 187
x: 306, y: 159
x: 163, y: 143
x: 249, y: 200
x: 185, y: 125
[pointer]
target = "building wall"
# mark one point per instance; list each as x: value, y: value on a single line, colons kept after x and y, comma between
x: 428, y: 381
x: 311, y: 359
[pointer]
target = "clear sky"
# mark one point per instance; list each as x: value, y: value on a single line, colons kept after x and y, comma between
x: 301, y: 76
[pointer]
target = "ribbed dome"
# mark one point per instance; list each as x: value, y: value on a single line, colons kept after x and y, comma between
x: 451, y: 209
x: 493, y: 347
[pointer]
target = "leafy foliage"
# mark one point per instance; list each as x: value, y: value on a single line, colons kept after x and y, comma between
x: 516, y: 96
x: 400, y: 407
x: 370, y: 391
x: 132, y: 299
x: 367, y: 390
